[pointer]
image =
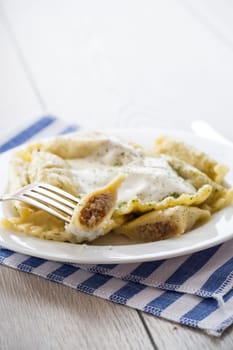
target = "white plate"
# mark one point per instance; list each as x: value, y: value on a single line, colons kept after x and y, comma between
x: 219, y: 229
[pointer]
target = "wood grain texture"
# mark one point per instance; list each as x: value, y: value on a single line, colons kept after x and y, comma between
x: 169, y: 335
x: 167, y: 71
x: 39, y: 314
x: 18, y: 101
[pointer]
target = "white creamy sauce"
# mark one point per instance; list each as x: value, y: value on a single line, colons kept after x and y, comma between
x: 149, y: 178
x: 112, y: 152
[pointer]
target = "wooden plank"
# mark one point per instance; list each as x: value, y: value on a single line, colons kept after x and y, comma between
x: 169, y: 335
x: 216, y: 16
x: 159, y: 67
x: 18, y: 101
x: 38, y: 314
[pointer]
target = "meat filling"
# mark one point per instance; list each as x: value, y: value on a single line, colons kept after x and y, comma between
x: 157, y: 230
x: 96, y: 209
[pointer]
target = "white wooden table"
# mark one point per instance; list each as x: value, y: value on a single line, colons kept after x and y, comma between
x: 108, y: 64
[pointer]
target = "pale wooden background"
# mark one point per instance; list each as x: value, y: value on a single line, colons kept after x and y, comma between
x: 108, y: 64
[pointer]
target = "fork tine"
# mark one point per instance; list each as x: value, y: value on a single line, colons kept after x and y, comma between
x: 48, y: 201
x: 45, y: 207
x: 48, y: 198
x: 58, y: 191
x: 54, y: 196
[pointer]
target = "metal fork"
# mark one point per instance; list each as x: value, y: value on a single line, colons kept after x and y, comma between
x: 46, y: 197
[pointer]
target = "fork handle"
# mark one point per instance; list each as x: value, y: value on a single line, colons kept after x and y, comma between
x: 6, y: 197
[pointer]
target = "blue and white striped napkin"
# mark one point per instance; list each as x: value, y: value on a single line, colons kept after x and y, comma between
x: 195, y: 290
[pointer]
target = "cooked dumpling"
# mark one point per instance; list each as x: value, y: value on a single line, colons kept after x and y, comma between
x: 106, y: 149
x: 136, y: 205
x: 192, y: 156
x: 17, y: 173
x: 92, y: 217
x: 220, y: 196
x: 50, y: 168
x: 37, y: 223
x: 162, y: 224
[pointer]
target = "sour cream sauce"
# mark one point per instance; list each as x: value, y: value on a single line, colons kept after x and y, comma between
x: 148, y: 178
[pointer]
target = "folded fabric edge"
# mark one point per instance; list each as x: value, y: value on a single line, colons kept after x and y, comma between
x: 82, y: 283
x: 109, y: 271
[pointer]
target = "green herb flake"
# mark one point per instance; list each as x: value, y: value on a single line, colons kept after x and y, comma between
x: 175, y: 195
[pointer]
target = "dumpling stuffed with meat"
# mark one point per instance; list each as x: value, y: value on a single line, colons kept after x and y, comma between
x: 162, y: 224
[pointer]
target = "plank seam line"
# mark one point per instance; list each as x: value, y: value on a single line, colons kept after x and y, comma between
x: 203, y: 20
x: 147, y: 330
